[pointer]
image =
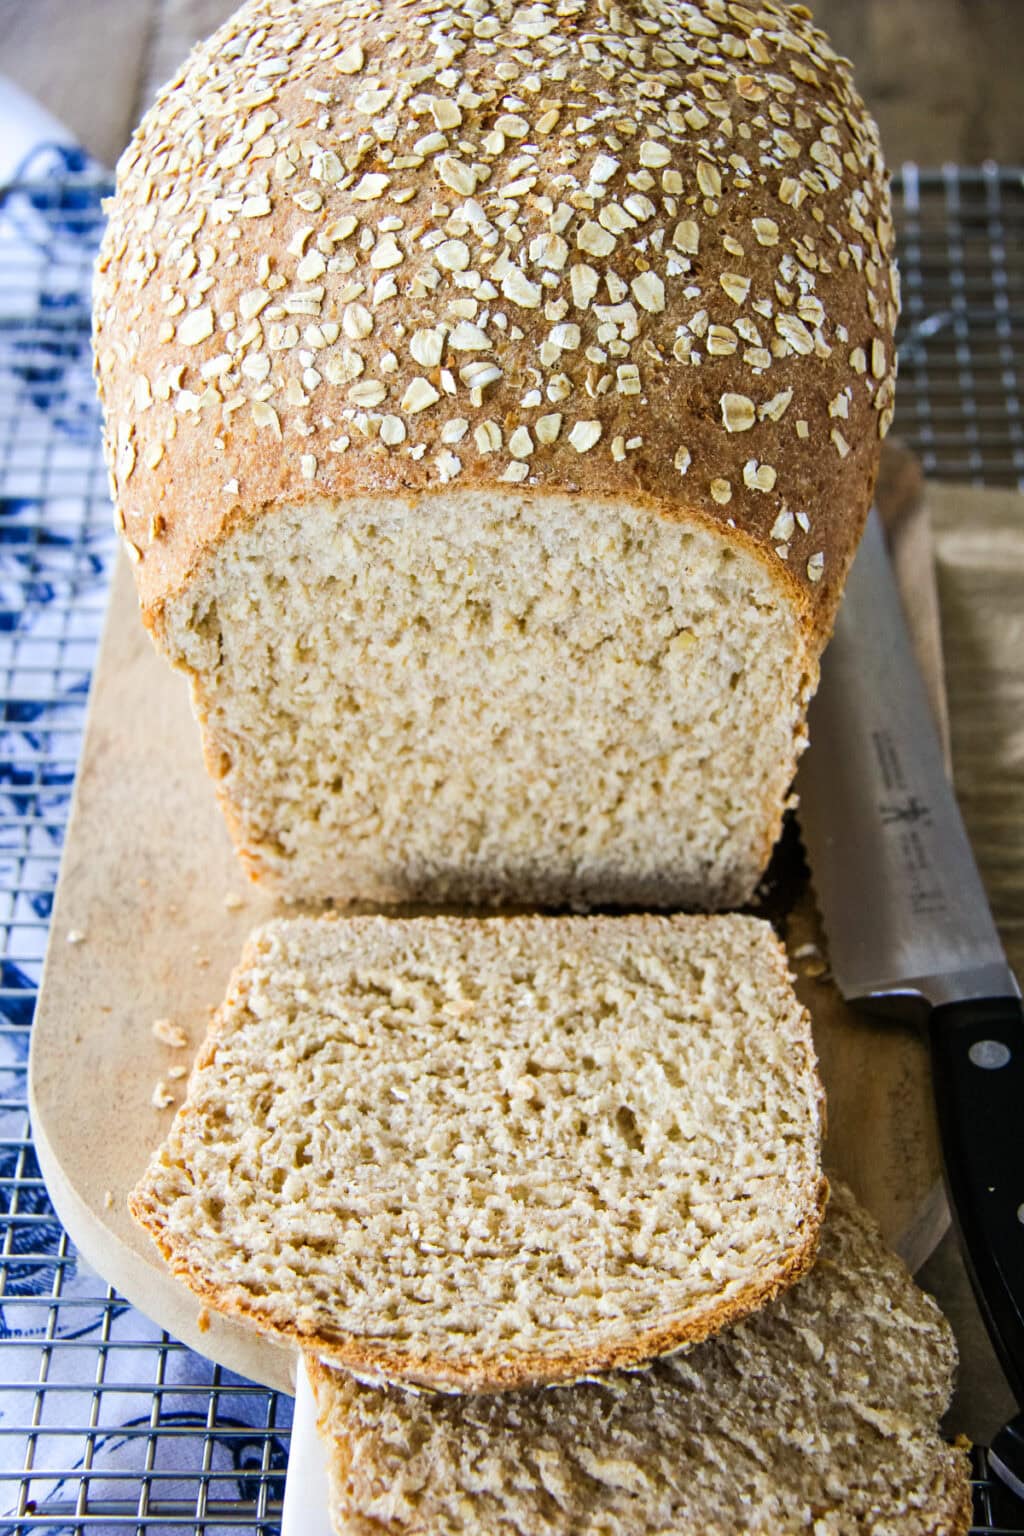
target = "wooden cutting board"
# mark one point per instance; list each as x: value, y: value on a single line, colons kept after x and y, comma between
x: 150, y: 916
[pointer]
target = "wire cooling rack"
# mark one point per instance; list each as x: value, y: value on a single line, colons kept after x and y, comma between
x: 106, y: 1423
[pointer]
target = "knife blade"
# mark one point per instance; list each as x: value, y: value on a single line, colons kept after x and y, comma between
x: 908, y: 924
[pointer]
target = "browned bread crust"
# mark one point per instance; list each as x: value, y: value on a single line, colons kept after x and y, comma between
x: 639, y: 251
x: 468, y: 1374
x: 379, y: 1366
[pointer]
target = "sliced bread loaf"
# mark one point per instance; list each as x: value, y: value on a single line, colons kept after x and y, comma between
x: 818, y: 1415
x: 493, y: 399
x: 473, y: 1155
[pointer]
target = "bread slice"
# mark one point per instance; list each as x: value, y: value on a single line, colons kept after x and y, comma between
x: 474, y: 1155
x: 493, y: 403
x: 820, y: 1414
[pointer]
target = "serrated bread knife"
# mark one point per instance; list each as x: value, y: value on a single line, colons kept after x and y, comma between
x: 909, y: 928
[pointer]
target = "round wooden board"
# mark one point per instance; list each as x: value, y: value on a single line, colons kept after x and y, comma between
x: 147, y: 868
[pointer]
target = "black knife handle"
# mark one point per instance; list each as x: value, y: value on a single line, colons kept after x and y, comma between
x: 978, y: 1071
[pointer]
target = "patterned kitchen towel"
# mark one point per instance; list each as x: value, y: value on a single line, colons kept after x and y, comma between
x: 100, y: 1383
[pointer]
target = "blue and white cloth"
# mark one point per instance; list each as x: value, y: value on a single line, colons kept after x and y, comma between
x: 86, y: 1382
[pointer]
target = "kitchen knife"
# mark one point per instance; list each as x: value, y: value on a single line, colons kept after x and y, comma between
x: 908, y: 924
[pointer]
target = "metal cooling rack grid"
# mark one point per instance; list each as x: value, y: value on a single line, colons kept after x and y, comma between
x: 961, y: 341
x: 106, y: 1423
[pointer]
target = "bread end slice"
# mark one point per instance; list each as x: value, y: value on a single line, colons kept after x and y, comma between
x: 819, y: 1414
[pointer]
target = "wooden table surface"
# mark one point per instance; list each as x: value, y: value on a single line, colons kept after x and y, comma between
x: 942, y: 76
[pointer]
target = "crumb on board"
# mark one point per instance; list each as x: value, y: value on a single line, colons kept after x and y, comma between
x: 108, y: 1199
x: 169, y: 1033
x: 233, y: 901
x: 203, y: 1321
x: 76, y: 936
x: 176, y: 1072
x: 813, y: 962
x: 162, y: 1098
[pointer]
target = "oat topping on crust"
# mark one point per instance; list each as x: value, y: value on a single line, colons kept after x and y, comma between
x: 344, y: 226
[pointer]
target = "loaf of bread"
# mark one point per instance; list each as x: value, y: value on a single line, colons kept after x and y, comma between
x: 477, y: 1154
x: 493, y: 399
x: 819, y: 1415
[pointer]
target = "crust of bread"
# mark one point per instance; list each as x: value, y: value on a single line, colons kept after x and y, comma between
x: 376, y: 1363
x: 199, y: 214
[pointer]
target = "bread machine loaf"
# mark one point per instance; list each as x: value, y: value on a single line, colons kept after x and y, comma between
x: 493, y: 400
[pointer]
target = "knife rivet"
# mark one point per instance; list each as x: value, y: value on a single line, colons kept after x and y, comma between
x: 990, y: 1054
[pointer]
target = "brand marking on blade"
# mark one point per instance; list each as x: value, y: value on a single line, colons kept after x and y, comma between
x: 910, y: 810
x: 906, y: 814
